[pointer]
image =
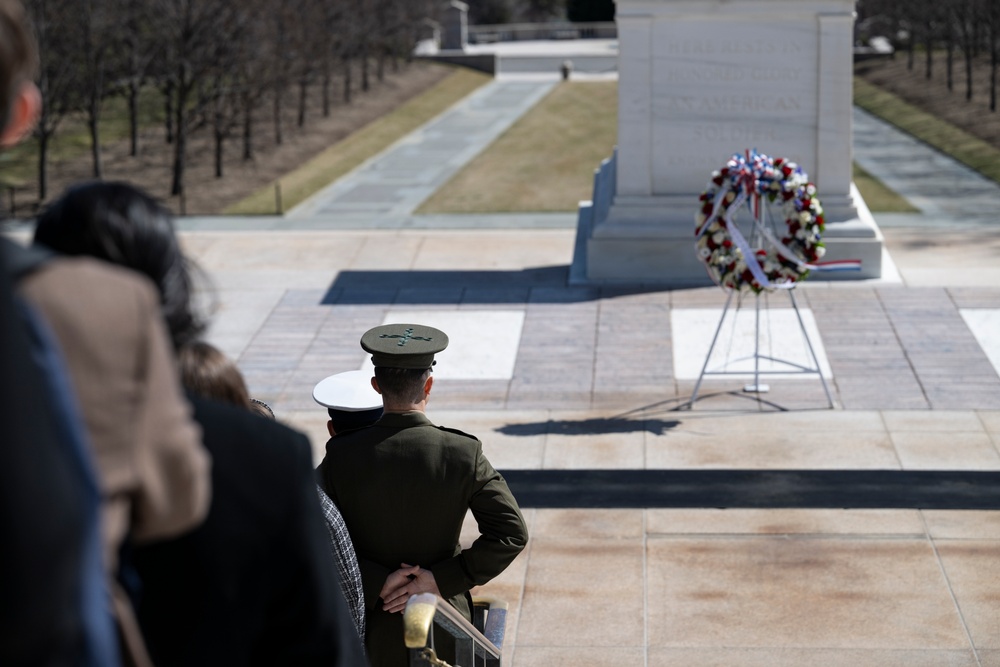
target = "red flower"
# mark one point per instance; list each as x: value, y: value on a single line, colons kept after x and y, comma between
x: 727, y: 244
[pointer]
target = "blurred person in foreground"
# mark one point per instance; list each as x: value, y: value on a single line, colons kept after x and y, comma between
x: 207, y: 372
x: 99, y: 331
x: 253, y: 584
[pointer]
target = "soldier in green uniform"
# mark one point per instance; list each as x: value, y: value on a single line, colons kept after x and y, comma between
x: 404, y: 486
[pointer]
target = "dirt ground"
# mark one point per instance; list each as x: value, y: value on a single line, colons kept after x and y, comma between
x: 932, y: 95
x: 206, y: 194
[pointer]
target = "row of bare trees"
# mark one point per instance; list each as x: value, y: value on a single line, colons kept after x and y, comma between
x: 962, y: 29
x: 217, y: 64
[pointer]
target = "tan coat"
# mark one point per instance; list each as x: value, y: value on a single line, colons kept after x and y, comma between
x: 153, y: 471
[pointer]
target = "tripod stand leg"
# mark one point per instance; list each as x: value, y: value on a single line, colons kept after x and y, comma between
x: 756, y: 387
x: 711, y: 348
x: 812, y: 352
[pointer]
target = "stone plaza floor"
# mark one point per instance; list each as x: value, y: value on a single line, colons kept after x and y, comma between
x: 558, y: 378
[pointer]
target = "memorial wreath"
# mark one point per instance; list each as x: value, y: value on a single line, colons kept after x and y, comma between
x: 752, y: 182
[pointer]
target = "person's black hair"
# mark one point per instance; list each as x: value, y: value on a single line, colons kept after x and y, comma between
x: 348, y: 421
x: 121, y: 224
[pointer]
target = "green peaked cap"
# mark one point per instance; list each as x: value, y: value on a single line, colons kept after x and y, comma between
x: 404, y: 345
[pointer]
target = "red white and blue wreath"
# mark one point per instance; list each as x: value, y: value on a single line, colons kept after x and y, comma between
x: 751, y: 182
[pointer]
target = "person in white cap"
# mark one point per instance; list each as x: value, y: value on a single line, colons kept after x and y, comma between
x: 351, y: 403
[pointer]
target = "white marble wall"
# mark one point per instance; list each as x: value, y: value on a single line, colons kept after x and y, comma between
x: 700, y: 80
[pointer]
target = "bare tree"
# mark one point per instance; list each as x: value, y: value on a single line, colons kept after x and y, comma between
x: 194, y: 33
x: 308, y: 36
x: 96, y: 46
x: 965, y: 16
x: 992, y: 16
x: 52, y: 21
x: 139, y: 46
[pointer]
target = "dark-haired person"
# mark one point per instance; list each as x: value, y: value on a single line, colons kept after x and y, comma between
x: 404, y: 486
x: 207, y: 372
x: 252, y: 585
x: 152, y: 473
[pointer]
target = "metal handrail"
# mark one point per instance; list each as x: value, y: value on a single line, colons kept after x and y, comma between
x: 473, y: 646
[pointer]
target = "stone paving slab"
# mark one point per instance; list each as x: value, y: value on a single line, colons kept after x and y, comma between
x: 396, y: 181
x: 750, y: 587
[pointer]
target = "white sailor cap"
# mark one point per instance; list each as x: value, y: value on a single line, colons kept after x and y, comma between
x: 348, y: 392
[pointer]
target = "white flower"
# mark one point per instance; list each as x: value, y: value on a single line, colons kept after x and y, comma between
x: 699, y: 219
x: 704, y: 253
x: 718, y: 237
x: 730, y: 196
x: 714, y: 227
x: 811, y: 189
x: 805, y: 217
x: 820, y: 251
x: 800, y: 234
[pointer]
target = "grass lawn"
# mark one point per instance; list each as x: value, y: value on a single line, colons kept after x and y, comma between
x: 940, y: 134
x: 877, y: 196
x: 545, y: 161
x: 372, y: 139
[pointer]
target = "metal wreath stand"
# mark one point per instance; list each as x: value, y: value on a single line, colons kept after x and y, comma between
x: 761, y: 216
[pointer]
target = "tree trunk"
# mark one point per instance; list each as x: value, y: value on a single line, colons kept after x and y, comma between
x: 219, y: 139
x: 909, y: 51
x: 364, y: 68
x: 278, y: 139
x: 43, y: 160
x: 247, y: 131
x: 168, y: 108
x: 929, y: 45
x: 180, y: 145
x: 347, y: 80
x: 968, y: 74
x: 95, y: 139
x: 993, y: 75
x: 326, y: 89
x: 133, y: 118
x: 380, y: 66
x: 303, y: 96
x: 950, y: 67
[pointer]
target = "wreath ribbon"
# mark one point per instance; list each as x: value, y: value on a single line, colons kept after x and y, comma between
x: 746, y: 180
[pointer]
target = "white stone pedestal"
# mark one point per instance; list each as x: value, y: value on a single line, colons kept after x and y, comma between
x: 700, y: 80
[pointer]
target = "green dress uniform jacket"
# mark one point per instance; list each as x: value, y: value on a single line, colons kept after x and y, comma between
x: 403, y: 487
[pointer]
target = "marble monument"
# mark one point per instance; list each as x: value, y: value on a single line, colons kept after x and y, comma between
x: 700, y: 80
